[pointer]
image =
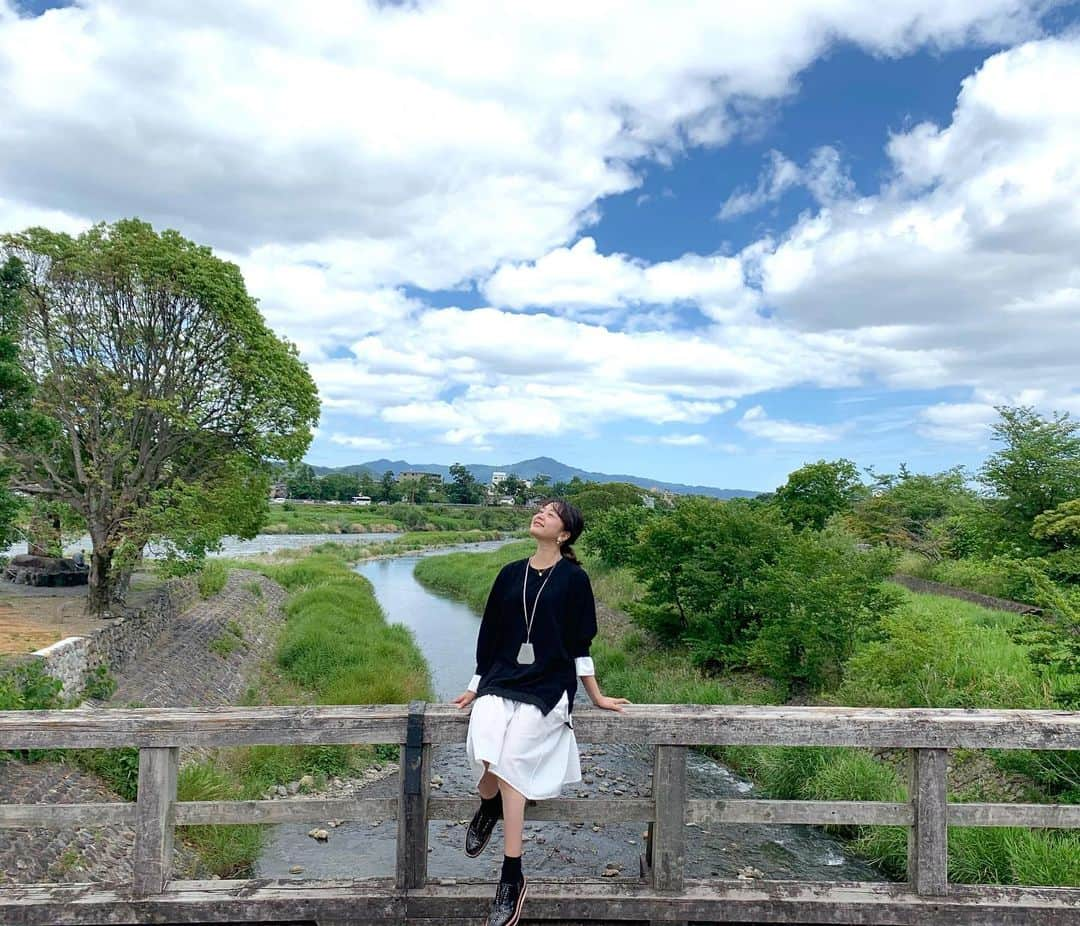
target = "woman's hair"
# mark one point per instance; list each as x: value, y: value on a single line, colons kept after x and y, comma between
x: 572, y: 520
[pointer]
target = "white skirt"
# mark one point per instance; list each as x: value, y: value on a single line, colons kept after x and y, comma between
x: 534, y: 754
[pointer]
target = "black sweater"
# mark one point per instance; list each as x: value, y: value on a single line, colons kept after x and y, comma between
x: 564, y: 626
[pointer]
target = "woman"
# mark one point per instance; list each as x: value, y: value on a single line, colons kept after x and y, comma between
x: 532, y: 645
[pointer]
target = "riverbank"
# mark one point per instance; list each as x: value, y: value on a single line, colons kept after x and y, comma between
x: 934, y: 652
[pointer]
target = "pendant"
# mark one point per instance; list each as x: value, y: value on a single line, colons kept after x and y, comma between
x: 525, y: 655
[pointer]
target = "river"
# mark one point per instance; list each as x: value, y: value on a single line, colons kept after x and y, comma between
x: 446, y: 632
x: 232, y: 546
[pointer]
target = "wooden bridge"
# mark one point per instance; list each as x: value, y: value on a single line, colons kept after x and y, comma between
x: 662, y: 895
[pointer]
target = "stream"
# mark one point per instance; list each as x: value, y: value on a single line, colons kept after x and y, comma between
x: 446, y: 633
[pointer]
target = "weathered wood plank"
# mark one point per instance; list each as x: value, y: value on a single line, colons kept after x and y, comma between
x: 362, y: 810
x: 565, y: 810
x: 866, y: 813
x: 928, y: 847
x: 668, y: 839
x: 377, y: 900
x: 666, y: 724
x: 155, y: 803
x: 415, y: 787
x: 1057, y: 816
x: 19, y: 815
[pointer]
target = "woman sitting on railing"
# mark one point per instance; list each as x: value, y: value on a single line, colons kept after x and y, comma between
x: 532, y: 645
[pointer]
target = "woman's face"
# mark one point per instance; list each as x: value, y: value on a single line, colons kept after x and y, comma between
x: 547, y: 525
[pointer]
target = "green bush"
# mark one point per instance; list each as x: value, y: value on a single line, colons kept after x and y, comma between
x: 212, y: 577
x: 29, y: 687
x: 99, y: 684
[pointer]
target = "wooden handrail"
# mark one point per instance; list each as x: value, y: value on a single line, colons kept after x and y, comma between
x: 927, y: 734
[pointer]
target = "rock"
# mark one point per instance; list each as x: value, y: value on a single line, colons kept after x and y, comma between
x: 595, y: 828
x: 749, y: 873
x: 319, y: 834
x: 334, y: 823
x: 588, y: 779
x: 292, y: 787
x: 307, y: 782
x: 282, y: 791
x: 296, y: 869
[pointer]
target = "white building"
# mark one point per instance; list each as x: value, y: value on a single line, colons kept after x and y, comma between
x: 361, y: 500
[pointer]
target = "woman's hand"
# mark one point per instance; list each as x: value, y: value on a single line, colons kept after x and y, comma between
x: 464, y: 699
x: 610, y: 704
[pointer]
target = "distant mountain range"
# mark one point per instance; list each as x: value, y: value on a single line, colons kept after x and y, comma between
x: 529, y: 469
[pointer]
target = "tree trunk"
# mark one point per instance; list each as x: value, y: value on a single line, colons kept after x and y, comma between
x: 100, y: 596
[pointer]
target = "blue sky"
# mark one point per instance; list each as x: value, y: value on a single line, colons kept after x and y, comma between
x: 706, y: 245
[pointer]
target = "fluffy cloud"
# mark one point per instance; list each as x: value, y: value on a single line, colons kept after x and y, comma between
x: 430, y: 141
x: 970, y: 251
x: 755, y: 421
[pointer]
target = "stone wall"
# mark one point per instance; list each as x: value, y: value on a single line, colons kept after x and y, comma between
x: 121, y: 641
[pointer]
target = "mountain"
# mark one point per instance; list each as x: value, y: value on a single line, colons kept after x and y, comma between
x: 528, y: 469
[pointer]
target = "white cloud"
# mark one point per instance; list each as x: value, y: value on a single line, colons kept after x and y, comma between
x: 684, y: 440
x: 755, y: 421
x: 962, y: 271
x: 358, y: 442
x: 779, y: 176
x: 580, y: 278
x: 959, y: 422
x: 430, y: 142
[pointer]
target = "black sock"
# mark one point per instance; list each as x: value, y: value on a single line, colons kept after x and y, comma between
x: 493, y: 805
x: 511, y: 870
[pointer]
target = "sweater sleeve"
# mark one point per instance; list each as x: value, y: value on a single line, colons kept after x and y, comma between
x: 582, y: 621
x: 487, y: 636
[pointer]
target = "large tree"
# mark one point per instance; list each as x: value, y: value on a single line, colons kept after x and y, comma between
x: 816, y: 491
x: 15, y: 387
x: 164, y: 392
x: 1037, y: 469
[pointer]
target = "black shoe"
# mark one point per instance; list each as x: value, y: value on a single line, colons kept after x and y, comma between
x: 482, y: 825
x: 506, y: 907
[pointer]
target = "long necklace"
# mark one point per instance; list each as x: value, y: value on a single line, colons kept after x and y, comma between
x: 525, y: 655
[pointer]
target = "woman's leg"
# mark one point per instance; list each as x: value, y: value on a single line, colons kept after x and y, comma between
x: 488, y: 785
x: 513, y: 803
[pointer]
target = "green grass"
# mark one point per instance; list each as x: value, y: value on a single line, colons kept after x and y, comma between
x: 212, y: 577
x: 943, y: 652
x: 468, y: 576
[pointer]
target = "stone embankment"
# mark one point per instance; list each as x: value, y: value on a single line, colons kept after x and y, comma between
x: 202, y: 656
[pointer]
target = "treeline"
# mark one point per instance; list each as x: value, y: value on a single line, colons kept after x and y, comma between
x: 792, y: 582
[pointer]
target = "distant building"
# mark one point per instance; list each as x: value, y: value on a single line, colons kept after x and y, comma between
x: 498, y: 477
x: 279, y: 490
x: 434, y: 478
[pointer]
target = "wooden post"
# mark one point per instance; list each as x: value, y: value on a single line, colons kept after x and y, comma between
x: 928, y: 845
x: 154, y: 811
x: 415, y: 777
x: 668, y: 842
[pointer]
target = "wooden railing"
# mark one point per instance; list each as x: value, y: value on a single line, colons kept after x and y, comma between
x: 662, y: 894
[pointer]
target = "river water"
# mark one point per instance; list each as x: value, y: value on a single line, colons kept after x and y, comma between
x: 446, y: 633
x: 231, y: 546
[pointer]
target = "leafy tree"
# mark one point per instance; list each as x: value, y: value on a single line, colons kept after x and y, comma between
x: 695, y: 563
x: 933, y: 514
x: 593, y: 497
x: 338, y: 487
x: 1037, y: 469
x: 817, y: 601
x: 613, y: 534
x: 15, y: 387
x: 368, y: 485
x: 515, y: 487
x: 302, y: 482
x: 463, y: 488
x: 413, y: 489
x: 816, y: 491
x: 388, y: 489
x: 160, y: 388
x: 1059, y: 526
